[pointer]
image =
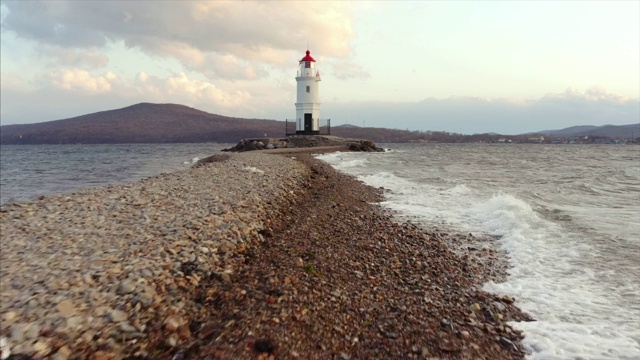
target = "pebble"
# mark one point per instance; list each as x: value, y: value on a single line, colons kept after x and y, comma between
x: 17, y: 333
x: 117, y: 316
x: 63, y: 353
x: 126, y: 327
x: 66, y: 308
x: 125, y: 287
x: 122, y: 246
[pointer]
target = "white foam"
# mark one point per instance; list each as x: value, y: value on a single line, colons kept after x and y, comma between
x: 575, y: 316
x: 343, y: 161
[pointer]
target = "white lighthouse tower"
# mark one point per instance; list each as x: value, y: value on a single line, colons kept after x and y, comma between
x: 308, y: 103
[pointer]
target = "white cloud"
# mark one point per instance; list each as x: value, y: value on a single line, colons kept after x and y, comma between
x: 80, y: 80
x: 225, y: 39
x: 198, y: 91
x: 178, y: 88
x: 593, y: 94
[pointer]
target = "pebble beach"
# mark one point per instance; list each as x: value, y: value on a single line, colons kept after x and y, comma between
x: 248, y: 255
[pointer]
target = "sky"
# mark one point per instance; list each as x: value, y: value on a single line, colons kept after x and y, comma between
x: 460, y: 66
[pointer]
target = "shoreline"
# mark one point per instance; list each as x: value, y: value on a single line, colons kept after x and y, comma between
x: 318, y: 273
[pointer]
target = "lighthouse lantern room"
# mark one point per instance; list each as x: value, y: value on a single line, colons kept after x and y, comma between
x: 308, y: 103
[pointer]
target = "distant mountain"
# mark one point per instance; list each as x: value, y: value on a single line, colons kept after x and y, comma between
x: 612, y: 131
x: 172, y: 123
x: 168, y: 123
x: 140, y: 123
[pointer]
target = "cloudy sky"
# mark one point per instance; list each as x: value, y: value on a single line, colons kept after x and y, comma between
x: 463, y: 66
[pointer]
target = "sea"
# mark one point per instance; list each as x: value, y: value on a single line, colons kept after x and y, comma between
x: 30, y: 171
x: 567, y: 217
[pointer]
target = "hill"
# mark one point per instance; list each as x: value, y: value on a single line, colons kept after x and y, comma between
x: 140, y: 123
x: 169, y: 123
x: 172, y: 123
x: 612, y: 131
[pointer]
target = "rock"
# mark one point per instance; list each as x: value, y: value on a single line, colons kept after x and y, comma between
x: 9, y: 317
x: 33, y: 331
x: 42, y: 348
x: 507, y: 344
x: 102, y: 355
x: 145, y: 298
x: 226, y: 277
x: 226, y: 246
x: 500, y: 306
x: 17, y: 333
x: 475, y: 307
x: 66, y: 308
x: 125, y: 287
x: 264, y: 346
x: 172, y: 323
x: 447, y: 346
x: 171, y: 341
x: 117, y: 316
x: 146, y: 273
x: 63, y: 353
x: 74, y: 323
x: 507, y: 299
x: 424, y: 351
x: 127, y: 327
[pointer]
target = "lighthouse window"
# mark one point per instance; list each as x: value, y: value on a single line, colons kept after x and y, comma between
x: 307, y: 64
x: 308, y: 89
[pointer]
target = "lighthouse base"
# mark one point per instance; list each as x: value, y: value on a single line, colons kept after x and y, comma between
x: 308, y: 132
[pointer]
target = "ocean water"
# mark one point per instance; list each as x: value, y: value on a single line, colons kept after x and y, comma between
x: 27, y: 172
x: 568, y: 217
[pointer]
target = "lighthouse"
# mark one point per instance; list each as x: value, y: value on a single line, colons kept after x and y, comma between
x: 308, y: 99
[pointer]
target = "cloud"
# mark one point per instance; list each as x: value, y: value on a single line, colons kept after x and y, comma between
x: 594, y: 106
x: 80, y: 91
x: 593, y: 94
x: 198, y: 91
x: 86, y: 58
x: 230, y: 39
x: 179, y: 88
x: 80, y: 80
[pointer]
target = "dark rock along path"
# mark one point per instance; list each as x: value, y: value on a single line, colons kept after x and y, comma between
x: 337, y: 278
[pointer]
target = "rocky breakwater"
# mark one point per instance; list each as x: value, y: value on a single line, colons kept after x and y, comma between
x: 95, y: 274
x: 337, y: 277
x: 306, y: 141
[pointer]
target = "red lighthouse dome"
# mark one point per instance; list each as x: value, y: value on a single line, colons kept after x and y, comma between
x: 308, y: 57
